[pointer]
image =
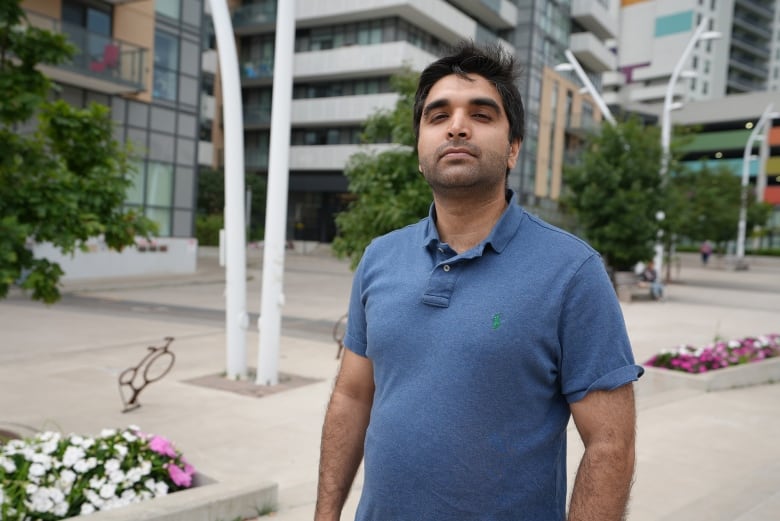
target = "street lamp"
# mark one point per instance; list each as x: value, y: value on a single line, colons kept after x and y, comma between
x: 755, y: 135
x: 666, y: 126
x: 574, y: 65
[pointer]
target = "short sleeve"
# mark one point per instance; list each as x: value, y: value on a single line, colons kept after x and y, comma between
x: 596, y: 352
x: 355, y: 338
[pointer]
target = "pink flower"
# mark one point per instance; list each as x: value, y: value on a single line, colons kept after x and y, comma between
x: 162, y: 446
x: 181, y: 477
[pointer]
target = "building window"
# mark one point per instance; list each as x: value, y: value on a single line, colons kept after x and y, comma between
x: 169, y: 8
x: 166, y: 61
x: 88, y: 27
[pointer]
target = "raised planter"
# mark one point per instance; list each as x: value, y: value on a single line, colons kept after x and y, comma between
x: 657, y: 379
x: 206, y: 501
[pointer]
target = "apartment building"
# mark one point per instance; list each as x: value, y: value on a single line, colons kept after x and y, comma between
x: 345, y: 54
x: 654, y: 33
x: 141, y: 58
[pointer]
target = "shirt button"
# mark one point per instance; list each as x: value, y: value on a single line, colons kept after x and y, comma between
x: 446, y: 267
x: 441, y: 250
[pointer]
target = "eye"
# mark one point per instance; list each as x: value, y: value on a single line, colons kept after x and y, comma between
x: 483, y: 116
x: 438, y: 116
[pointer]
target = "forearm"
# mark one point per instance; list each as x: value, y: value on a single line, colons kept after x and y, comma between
x: 343, y: 435
x: 603, y: 484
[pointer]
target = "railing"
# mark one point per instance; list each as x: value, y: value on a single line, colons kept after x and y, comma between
x: 257, y: 115
x: 256, y: 159
x: 98, y: 55
x: 254, y: 70
x: 254, y: 14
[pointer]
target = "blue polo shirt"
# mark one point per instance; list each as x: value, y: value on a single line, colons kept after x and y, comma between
x: 476, y: 357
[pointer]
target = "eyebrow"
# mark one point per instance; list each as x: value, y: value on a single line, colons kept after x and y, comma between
x: 480, y: 102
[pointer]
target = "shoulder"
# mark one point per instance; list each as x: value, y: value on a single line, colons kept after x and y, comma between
x: 551, y: 240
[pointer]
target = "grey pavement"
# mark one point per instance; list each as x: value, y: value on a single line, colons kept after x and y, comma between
x: 701, y: 456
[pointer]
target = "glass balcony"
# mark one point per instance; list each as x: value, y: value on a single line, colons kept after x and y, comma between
x: 257, y: 69
x: 100, y: 62
x: 256, y: 158
x: 257, y: 115
x: 253, y: 16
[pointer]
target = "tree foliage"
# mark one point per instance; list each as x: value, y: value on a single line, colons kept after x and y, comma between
x: 63, y: 183
x: 211, y: 199
x: 704, y: 205
x: 389, y: 190
x: 615, y: 191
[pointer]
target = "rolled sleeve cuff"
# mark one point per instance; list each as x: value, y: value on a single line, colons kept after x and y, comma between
x: 610, y: 381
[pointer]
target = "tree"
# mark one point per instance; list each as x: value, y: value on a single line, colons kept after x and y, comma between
x: 64, y: 182
x: 389, y: 190
x: 704, y: 204
x: 615, y: 191
x: 211, y: 200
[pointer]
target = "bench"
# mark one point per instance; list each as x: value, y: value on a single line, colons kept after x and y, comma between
x: 629, y: 287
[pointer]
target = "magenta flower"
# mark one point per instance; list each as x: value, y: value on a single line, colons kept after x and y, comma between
x: 162, y: 446
x: 180, y: 476
x: 718, y: 355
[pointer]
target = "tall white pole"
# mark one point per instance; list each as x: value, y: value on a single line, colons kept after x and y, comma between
x: 276, y: 206
x: 236, y: 318
x: 666, y: 125
x: 755, y: 134
x: 590, y: 87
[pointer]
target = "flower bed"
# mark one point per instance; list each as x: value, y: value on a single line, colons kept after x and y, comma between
x: 50, y: 476
x: 719, y: 355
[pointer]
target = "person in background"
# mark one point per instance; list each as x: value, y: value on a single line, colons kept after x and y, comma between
x: 649, y: 279
x: 474, y: 335
x: 706, y: 251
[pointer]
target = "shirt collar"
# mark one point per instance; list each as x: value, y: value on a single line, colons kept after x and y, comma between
x: 502, y: 232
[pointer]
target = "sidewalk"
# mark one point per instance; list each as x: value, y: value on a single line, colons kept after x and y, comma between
x: 701, y: 456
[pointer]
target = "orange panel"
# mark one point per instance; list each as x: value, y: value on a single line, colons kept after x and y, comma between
x: 774, y: 136
x: 626, y: 3
x: 772, y: 194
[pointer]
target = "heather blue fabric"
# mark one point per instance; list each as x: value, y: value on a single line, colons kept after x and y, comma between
x: 476, y: 357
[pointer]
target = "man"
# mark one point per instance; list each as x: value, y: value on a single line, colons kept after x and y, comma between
x: 649, y: 279
x: 474, y: 335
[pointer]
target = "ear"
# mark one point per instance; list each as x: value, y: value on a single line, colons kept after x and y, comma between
x: 514, y: 151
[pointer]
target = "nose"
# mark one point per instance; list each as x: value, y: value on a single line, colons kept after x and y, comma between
x: 459, y: 126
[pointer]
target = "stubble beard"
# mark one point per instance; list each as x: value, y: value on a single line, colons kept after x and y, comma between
x: 484, y: 173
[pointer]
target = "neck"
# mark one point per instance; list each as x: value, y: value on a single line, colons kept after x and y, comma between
x: 465, y: 223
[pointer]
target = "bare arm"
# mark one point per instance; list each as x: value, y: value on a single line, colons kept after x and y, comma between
x: 606, y: 421
x: 343, y: 434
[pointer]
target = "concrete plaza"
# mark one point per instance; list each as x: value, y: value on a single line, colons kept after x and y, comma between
x: 701, y: 456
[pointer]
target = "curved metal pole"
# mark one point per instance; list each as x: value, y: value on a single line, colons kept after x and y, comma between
x: 236, y: 318
x: 742, y: 226
x: 590, y: 87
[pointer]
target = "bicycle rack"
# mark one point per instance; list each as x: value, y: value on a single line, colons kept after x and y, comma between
x: 127, y: 378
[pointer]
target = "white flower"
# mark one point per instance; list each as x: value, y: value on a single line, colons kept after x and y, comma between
x: 116, y: 476
x: 146, y: 467
x: 111, y: 465
x: 37, y: 470
x: 2, y: 495
x: 8, y: 464
x: 129, y: 436
x: 108, y: 491
x: 120, y: 449
x: 87, y: 509
x: 93, y: 498
x: 40, y: 501
x: 76, y: 440
x: 107, y: 433
x: 73, y: 455
x: 96, y: 482
x: 134, y: 475
x: 60, y: 509
x: 85, y: 465
x: 734, y: 344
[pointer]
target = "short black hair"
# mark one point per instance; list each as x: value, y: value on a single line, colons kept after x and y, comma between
x: 490, y: 61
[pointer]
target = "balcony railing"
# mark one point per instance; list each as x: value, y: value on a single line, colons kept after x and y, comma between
x: 257, y: 115
x: 257, y: 69
x: 253, y: 15
x: 97, y: 56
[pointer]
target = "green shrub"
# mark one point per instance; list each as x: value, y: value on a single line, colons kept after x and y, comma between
x: 207, y: 229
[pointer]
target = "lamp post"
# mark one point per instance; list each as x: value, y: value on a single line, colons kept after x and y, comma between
x: 574, y: 65
x: 669, y: 105
x: 755, y: 135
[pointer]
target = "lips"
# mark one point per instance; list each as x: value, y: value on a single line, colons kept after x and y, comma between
x: 458, y: 151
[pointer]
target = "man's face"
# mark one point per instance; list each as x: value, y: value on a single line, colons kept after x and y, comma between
x: 464, y: 136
